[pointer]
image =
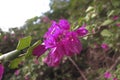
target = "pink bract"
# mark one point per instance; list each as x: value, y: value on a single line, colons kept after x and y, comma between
x: 17, y: 72
x: 1, y: 71
x: 107, y: 75
x: 114, y: 79
x: 118, y: 24
x: 115, y: 17
x: 60, y: 41
x: 105, y: 46
x: 82, y: 31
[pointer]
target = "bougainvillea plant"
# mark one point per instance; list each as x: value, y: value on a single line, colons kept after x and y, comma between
x: 60, y: 41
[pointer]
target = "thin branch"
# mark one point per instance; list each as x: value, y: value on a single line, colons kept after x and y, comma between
x: 111, y: 68
x: 114, y: 65
x: 81, y: 73
x: 9, y: 56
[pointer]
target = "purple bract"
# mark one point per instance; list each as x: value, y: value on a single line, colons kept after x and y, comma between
x: 107, y: 75
x: 17, y: 72
x: 60, y: 41
x: 1, y: 71
x: 115, y: 17
x: 82, y: 31
x: 39, y: 50
x: 105, y: 46
x: 114, y: 79
x: 118, y: 24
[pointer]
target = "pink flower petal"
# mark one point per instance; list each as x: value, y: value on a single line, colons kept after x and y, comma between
x: 1, y: 71
x: 107, y: 75
x: 39, y: 50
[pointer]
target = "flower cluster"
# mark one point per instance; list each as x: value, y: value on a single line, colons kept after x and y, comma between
x: 60, y: 41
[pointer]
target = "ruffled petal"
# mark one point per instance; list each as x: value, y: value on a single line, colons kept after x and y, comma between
x: 54, y: 57
x: 72, y: 44
x: 64, y: 24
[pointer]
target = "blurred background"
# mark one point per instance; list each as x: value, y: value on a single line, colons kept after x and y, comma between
x: 21, y: 18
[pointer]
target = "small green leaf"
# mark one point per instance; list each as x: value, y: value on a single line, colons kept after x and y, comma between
x: 106, y: 33
x: 107, y: 22
x: 93, y: 15
x: 24, y: 42
x: 14, y: 64
x: 30, y: 49
x: 90, y: 8
x: 111, y: 13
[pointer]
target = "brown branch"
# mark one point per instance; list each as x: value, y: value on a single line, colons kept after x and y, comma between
x: 114, y: 65
x: 111, y: 68
x: 81, y: 73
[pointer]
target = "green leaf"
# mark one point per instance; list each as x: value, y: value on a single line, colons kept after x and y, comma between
x: 90, y: 8
x: 30, y: 49
x: 106, y: 33
x: 116, y: 3
x: 24, y: 42
x: 107, y: 22
x: 14, y: 63
x: 111, y: 13
x: 93, y: 15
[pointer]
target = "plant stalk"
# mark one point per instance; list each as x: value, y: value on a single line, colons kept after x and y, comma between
x: 9, y: 56
x: 81, y: 73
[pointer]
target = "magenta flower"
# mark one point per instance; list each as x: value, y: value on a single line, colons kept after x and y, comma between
x: 115, y: 17
x: 105, y: 46
x: 107, y: 75
x: 60, y: 42
x: 64, y: 24
x: 1, y: 71
x: 72, y: 44
x: 54, y: 57
x: 39, y: 50
x: 82, y: 31
x: 17, y: 72
x: 114, y: 79
x: 118, y: 24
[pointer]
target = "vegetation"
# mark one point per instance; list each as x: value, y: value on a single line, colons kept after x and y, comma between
x: 99, y: 58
